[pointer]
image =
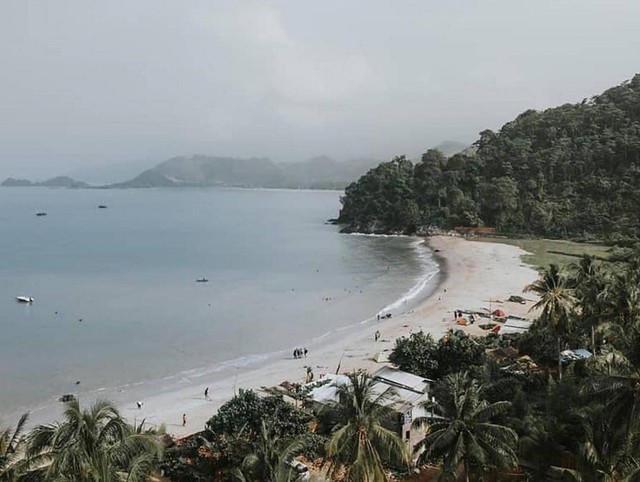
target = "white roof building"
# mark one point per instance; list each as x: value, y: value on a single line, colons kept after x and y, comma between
x: 409, y: 391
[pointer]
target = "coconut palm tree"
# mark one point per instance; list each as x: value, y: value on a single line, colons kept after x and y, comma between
x: 556, y: 301
x: 604, y: 449
x: 12, y: 462
x: 619, y: 386
x: 590, y: 284
x: 465, y: 432
x: 95, y: 445
x: 361, y: 442
x: 270, y: 459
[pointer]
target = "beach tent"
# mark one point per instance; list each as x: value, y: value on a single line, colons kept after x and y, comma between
x: 381, y: 357
x: 499, y: 313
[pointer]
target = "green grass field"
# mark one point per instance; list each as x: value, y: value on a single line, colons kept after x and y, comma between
x: 542, y: 252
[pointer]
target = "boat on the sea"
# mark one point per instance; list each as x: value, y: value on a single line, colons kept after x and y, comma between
x: 202, y: 280
x: 102, y: 206
x: 25, y: 299
x: 41, y: 213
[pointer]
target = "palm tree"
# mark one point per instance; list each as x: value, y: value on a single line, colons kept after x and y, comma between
x: 361, y: 441
x: 603, y: 450
x: 12, y: 462
x: 95, y: 445
x: 270, y: 459
x: 556, y: 301
x: 466, y: 433
x: 623, y: 297
x: 590, y: 285
x: 619, y: 386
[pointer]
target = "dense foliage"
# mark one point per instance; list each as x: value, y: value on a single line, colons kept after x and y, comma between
x: 420, y: 354
x: 582, y: 425
x: 250, y: 436
x: 247, y: 411
x: 572, y: 170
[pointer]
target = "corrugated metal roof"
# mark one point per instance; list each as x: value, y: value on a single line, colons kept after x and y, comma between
x: 507, y: 330
x: 402, y: 380
x: 389, y: 383
x: 519, y: 324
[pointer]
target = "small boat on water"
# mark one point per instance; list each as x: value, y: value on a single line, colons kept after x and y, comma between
x: 102, y: 206
x: 25, y: 299
x: 41, y: 213
x: 202, y: 280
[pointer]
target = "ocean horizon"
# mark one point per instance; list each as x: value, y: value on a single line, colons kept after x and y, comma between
x: 117, y: 302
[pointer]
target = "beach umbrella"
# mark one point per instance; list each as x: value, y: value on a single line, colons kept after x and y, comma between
x: 499, y: 313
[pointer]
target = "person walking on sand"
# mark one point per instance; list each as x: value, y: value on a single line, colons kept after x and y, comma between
x: 377, y: 335
x: 184, y: 419
x: 305, y: 352
x: 206, y: 393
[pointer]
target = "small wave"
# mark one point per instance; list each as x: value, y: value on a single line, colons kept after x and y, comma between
x: 372, y: 235
x: 429, y: 270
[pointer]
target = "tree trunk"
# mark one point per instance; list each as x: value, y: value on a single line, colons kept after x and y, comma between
x: 593, y: 339
x: 466, y: 471
x: 559, y: 361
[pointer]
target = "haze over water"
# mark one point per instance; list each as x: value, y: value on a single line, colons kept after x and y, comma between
x: 128, y: 272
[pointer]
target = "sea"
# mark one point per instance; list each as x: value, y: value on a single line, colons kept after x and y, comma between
x: 117, y: 303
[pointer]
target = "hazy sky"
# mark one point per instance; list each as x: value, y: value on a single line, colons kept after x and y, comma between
x: 93, y: 82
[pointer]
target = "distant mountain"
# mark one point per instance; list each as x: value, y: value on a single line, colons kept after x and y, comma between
x: 60, y: 181
x: 98, y: 175
x: 11, y: 182
x: 199, y: 171
x: 63, y: 181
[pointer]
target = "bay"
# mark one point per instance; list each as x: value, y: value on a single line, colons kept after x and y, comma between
x: 116, y: 297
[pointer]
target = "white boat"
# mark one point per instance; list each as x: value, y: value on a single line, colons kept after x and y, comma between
x: 25, y: 299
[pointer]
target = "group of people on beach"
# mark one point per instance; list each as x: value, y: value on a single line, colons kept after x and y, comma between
x: 299, y: 353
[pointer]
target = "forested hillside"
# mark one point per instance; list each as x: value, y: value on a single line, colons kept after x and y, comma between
x: 569, y: 171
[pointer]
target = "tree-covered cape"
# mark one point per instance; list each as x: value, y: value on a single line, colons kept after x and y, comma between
x: 572, y: 170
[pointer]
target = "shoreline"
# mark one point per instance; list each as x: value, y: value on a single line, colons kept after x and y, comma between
x: 459, y: 283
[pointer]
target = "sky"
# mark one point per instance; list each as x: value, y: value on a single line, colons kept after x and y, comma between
x: 89, y: 83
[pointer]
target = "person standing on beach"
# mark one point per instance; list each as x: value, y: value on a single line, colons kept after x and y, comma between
x: 184, y: 419
x: 377, y: 335
x: 206, y: 393
x: 305, y: 352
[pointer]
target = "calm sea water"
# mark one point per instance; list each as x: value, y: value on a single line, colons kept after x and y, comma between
x: 116, y: 297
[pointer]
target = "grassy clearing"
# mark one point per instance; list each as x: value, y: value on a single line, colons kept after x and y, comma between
x: 542, y: 252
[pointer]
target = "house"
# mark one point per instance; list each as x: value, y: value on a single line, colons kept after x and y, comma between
x: 409, y: 391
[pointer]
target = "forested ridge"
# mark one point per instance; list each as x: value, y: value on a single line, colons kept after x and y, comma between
x: 568, y: 171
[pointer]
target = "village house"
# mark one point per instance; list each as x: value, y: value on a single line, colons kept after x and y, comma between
x: 409, y: 391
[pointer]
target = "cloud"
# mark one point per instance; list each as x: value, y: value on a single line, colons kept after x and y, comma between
x: 295, y: 80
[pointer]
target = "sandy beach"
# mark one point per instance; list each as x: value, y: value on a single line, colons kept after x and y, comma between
x: 473, y: 275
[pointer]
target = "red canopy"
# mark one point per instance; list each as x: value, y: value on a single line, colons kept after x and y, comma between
x: 499, y: 313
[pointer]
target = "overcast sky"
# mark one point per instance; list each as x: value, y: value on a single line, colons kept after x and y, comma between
x: 90, y: 82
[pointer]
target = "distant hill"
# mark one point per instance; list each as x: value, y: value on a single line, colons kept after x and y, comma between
x: 201, y: 171
x: 571, y: 171
x: 101, y: 174
x: 59, y: 181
